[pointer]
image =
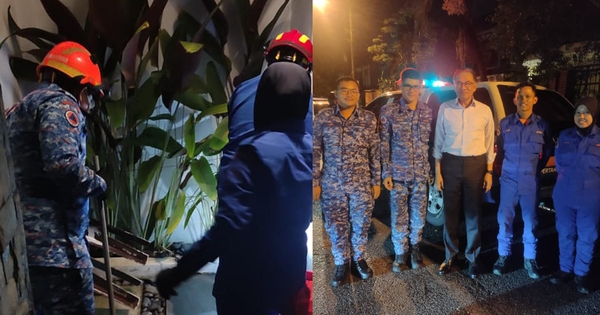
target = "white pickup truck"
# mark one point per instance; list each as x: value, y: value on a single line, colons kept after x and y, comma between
x: 552, y: 106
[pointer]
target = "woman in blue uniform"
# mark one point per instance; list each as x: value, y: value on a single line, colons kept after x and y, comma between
x: 576, y: 197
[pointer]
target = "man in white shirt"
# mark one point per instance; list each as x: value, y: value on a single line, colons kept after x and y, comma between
x: 464, y: 155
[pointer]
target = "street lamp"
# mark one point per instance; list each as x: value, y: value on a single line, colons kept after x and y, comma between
x: 320, y: 5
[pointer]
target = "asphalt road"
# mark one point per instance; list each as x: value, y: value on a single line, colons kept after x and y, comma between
x: 423, y: 291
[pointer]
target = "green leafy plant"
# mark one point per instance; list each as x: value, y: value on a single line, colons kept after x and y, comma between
x: 145, y: 133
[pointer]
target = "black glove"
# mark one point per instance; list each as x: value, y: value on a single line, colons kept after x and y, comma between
x: 166, y: 281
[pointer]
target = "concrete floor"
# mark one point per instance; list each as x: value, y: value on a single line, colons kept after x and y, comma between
x: 195, y: 295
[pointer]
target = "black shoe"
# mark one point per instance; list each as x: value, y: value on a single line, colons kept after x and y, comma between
x: 501, y: 265
x: 561, y: 277
x: 399, y: 263
x: 582, y: 284
x: 532, y: 268
x: 361, y: 269
x: 445, y: 267
x: 339, y: 275
x: 415, y: 257
x: 473, y: 270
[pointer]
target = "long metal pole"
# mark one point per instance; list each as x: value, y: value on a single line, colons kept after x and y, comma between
x: 103, y: 222
x: 351, y: 41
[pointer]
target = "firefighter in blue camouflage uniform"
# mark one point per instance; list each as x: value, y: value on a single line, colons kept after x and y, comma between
x: 48, y: 141
x: 576, y: 197
x: 346, y: 140
x: 524, y: 145
x: 405, y: 134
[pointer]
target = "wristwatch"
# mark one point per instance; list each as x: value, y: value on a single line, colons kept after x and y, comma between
x: 490, y: 172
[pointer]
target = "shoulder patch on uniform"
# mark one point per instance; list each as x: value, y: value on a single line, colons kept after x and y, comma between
x: 72, y: 118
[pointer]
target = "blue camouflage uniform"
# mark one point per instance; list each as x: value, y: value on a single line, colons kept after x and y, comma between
x: 48, y: 141
x: 576, y: 198
x: 349, y: 149
x: 405, y: 136
x: 524, y: 150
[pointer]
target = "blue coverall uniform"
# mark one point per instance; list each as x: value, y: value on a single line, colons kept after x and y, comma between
x: 576, y: 198
x: 265, y: 205
x: 524, y: 150
x: 350, y: 152
x: 48, y: 142
x: 240, y: 112
x: 405, y: 136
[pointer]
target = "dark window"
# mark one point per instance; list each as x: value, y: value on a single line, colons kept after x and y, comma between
x: 376, y: 105
x: 483, y: 95
x: 551, y: 106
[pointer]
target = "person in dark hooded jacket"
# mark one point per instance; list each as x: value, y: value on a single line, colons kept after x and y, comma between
x: 264, y: 206
x: 575, y: 195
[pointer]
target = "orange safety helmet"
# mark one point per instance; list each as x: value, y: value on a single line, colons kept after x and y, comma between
x: 279, y: 49
x: 75, y: 61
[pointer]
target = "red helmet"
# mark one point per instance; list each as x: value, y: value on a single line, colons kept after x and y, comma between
x: 286, y: 46
x: 73, y: 60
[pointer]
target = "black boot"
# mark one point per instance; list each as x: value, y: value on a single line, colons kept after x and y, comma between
x: 361, y: 269
x: 340, y: 274
x: 582, y: 284
x: 501, y: 265
x: 561, y: 277
x: 446, y: 267
x: 415, y: 257
x: 399, y: 263
x: 532, y: 268
x: 473, y: 270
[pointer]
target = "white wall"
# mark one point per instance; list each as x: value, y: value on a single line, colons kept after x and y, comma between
x: 30, y: 13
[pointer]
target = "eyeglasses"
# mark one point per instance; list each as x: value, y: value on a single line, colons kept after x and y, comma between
x: 348, y: 91
x: 467, y: 84
x: 411, y: 87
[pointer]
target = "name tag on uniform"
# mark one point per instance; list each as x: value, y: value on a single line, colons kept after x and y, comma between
x: 539, y: 132
x: 507, y: 130
x: 598, y: 144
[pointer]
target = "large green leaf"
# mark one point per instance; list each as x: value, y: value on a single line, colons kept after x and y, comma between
x: 220, y: 136
x: 23, y: 69
x: 213, y: 110
x: 192, y: 100
x: 189, y: 136
x: 153, y: 17
x: 155, y: 137
x: 160, y: 212
x: 205, y: 177
x: 142, y: 105
x: 35, y: 35
x: 151, y: 220
x: 196, y: 85
x: 219, y: 20
x: 202, y: 145
x: 65, y: 21
x: 129, y: 58
x: 177, y: 213
x: 147, y: 171
x: 114, y: 21
x: 116, y: 112
x: 215, y: 87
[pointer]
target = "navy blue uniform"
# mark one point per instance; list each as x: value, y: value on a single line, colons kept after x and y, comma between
x: 524, y: 150
x: 264, y: 205
x: 48, y: 137
x: 576, y: 198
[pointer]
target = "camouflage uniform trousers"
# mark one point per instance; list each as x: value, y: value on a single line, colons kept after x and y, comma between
x: 62, y: 291
x: 408, y: 205
x: 347, y: 221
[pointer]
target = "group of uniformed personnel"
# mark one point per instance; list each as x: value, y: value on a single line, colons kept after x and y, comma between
x: 353, y: 155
